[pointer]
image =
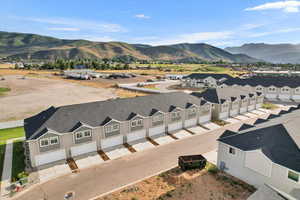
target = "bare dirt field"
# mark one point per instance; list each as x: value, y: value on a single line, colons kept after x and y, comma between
x: 189, y: 185
x: 31, y: 95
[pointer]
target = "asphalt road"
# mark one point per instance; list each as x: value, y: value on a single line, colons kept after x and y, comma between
x: 106, y: 177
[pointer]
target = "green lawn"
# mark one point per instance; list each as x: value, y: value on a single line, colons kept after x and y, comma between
x: 6, y: 134
x: 3, y: 90
x: 18, y: 164
x: 11, y: 133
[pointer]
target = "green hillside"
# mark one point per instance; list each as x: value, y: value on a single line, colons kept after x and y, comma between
x: 32, y: 46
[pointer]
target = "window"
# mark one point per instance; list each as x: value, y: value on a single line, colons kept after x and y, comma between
x: 175, y: 115
x: 232, y: 150
x: 87, y: 134
x: 293, y: 176
x: 44, y: 142
x: 157, y: 118
x: 137, y: 122
x: 54, y: 140
x: 79, y: 135
x: 272, y: 89
x: 112, y: 128
x: 297, y: 90
x: 258, y: 89
x: 192, y: 111
x: 49, y: 141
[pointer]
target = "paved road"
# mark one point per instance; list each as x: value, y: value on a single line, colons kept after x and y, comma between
x: 11, y: 124
x: 117, y: 173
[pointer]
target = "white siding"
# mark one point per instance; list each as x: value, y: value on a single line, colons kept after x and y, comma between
x: 235, y: 165
x: 258, y: 162
x: 175, y: 126
x: 136, y: 135
x: 190, y: 122
x: 223, y: 115
x: 157, y: 130
x: 204, y: 119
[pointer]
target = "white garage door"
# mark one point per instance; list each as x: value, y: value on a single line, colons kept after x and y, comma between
x: 251, y: 107
x: 157, y: 130
x: 50, y: 157
x: 190, y: 122
x: 271, y: 96
x: 296, y: 97
x: 110, y: 142
x: 204, y: 119
x: 136, y: 135
x: 284, y: 96
x: 174, y: 126
x: 84, y: 148
x: 234, y: 112
x: 223, y: 115
x: 259, y: 105
x: 243, y: 109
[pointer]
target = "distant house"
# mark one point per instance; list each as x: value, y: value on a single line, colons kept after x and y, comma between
x: 231, y: 101
x: 267, y: 154
x: 199, y: 80
x: 274, y: 88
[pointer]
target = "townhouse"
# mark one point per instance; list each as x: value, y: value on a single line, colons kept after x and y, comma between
x: 231, y: 101
x: 199, y: 80
x: 274, y: 88
x: 69, y: 131
x: 267, y: 154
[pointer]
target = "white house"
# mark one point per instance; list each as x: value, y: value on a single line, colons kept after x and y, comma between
x: 267, y: 154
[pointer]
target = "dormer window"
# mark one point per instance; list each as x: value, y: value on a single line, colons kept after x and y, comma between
x: 83, y: 134
x: 293, y: 176
x: 192, y: 111
x: 112, y: 128
x: 49, y: 141
x: 136, y: 122
x: 259, y: 89
x: 157, y: 118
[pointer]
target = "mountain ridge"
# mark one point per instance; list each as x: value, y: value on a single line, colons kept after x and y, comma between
x: 274, y: 53
x: 33, y: 46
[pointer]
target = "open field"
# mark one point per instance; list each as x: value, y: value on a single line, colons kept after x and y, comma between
x: 31, y: 95
x: 207, y: 184
x: 5, y: 66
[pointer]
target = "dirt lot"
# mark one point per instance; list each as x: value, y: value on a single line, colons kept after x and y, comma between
x: 190, y: 185
x: 42, y: 89
x: 31, y: 95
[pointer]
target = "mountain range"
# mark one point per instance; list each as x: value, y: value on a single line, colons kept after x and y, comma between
x: 32, y: 46
x: 274, y: 53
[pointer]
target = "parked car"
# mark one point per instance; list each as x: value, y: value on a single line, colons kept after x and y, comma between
x: 191, y: 162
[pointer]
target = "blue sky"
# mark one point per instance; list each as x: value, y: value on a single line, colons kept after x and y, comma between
x: 218, y: 22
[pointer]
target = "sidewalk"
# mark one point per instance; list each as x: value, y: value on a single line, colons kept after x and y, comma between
x: 11, y: 124
x: 7, y: 168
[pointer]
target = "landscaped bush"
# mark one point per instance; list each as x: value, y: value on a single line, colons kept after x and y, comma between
x: 269, y: 106
x: 211, y: 168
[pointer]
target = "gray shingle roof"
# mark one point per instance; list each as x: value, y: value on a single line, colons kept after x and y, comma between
x: 205, y: 75
x: 291, y: 82
x: 65, y: 118
x: 219, y: 95
x: 278, y: 139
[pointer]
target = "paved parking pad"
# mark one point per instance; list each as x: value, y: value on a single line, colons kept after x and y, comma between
x: 89, y: 161
x: 211, y: 156
x: 265, y: 110
x: 117, y: 153
x: 163, y: 140
x: 182, y: 134
x: 211, y: 126
x: 232, y: 120
x: 53, y: 172
x: 197, y: 130
x: 251, y: 115
x: 143, y: 146
x: 258, y: 112
x: 241, y: 117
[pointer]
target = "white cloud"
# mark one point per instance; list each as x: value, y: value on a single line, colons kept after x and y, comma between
x: 79, y: 24
x: 142, y: 16
x: 286, y: 6
x: 246, y: 27
x: 286, y: 30
x: 63, y: 29
x: 196, y: 37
